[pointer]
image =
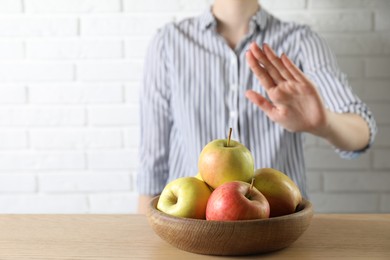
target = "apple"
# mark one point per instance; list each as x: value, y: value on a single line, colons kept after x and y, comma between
x: 237, y: 200
x: 281, y: 192
x: 198, y: 176
x: 185, y: 197
x: 225, y: 160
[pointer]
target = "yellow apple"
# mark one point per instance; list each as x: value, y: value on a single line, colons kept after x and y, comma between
x: 198, y: 176
x: 185, y: 197
x: 280, y: 190
x: 225, y: 160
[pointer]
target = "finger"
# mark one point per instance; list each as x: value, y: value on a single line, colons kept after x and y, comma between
x: 262, y: 59
x: 276, y: 61
x: 293, y: 69
x: 260, y: 101
x: 261, y: 74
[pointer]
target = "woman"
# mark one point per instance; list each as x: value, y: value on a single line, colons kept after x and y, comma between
x: 238, y: 66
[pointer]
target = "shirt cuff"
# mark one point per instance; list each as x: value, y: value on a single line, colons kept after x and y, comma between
x: 362, y: 111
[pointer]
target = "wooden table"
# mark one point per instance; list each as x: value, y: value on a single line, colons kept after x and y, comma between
x: 365, y: 236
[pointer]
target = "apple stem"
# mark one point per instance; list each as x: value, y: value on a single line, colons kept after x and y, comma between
x: 252, y: 183
x: 250, y: 188
x: 229, y: 136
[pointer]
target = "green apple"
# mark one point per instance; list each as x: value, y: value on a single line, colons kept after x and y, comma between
x: 225, y: 160
x: 185, y: 197
x: 280, y: 190
x: 198, y: 176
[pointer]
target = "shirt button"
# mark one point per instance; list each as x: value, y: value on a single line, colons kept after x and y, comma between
x: 233, y: 59
x: 233, y: 114
x: 233, y: 87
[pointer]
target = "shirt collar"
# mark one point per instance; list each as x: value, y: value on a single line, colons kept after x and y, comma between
x: 207, y: 19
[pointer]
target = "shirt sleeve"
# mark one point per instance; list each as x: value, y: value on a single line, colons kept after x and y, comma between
x: 319, y: 63
x: 155, y: 119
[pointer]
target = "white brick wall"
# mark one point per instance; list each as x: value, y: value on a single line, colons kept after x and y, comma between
x: 72, y: 6
x: 72, y: 49
x: 69, y: 77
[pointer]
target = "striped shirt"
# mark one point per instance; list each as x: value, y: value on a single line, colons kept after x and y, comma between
x: 194, y: 90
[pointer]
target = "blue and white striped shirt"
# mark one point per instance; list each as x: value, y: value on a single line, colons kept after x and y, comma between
x: 194, y: 90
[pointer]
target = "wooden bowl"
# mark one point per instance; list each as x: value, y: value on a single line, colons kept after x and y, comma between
x: 244, y: 237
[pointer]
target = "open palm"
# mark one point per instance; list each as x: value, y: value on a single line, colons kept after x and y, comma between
x: 294, y: 101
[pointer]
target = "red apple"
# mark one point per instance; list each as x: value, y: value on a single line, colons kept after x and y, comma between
x: 236, y: 200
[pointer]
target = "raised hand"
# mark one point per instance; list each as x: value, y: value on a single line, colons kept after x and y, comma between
x: 294, y: 101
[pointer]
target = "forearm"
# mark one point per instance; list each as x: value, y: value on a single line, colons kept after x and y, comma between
x: 347, y: 131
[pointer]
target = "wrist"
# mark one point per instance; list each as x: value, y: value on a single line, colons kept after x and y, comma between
x: 324, y: 129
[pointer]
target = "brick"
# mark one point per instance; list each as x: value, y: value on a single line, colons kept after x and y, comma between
x: 381, y: 159
x: 33, y: 160
x: 135, y: 47
x: 338, y: 4
x: 116, y: 159
x: 74, y: 49
x: 352, y: 67
x: 380, y: 112
x: 131, y: 136
x: 11, y: 49
x: 109, y: 70
x: 382, y: 21
x: 377, y: 67
x: 10, y: 6
x: 382, y: 138
x: 84, y: 182
x: 326, y: 158
x: 117, y: 203
x: 75, y: 139
x: 164, y: 6
x: 43, y: 204
x: 358, y: 86
x: 132, y: 90
x: 345, y: 203
x: 283, y: 4
x: 373, y: 90
x: 123, y: 25
x: 42, y: 116
x: 36, y: 71
x: 331, y: 21
x: 185, y: 15
x: 361, y: 44
x: 195, y: 6
x: 356, y: 181
x: 314, y: 181
x: 151, y: 6
x: 386, y: 41
x: 13, y: 139
x: 84, y: 93
x: 310, y: 140
x: 321, y: 142
x: 385, y: 203
x: 133, y: 175
x: 26, y: 26
x: 72, y: 6
x: 12, y: 94
x: 113, y: 115
x: 17, y: 183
